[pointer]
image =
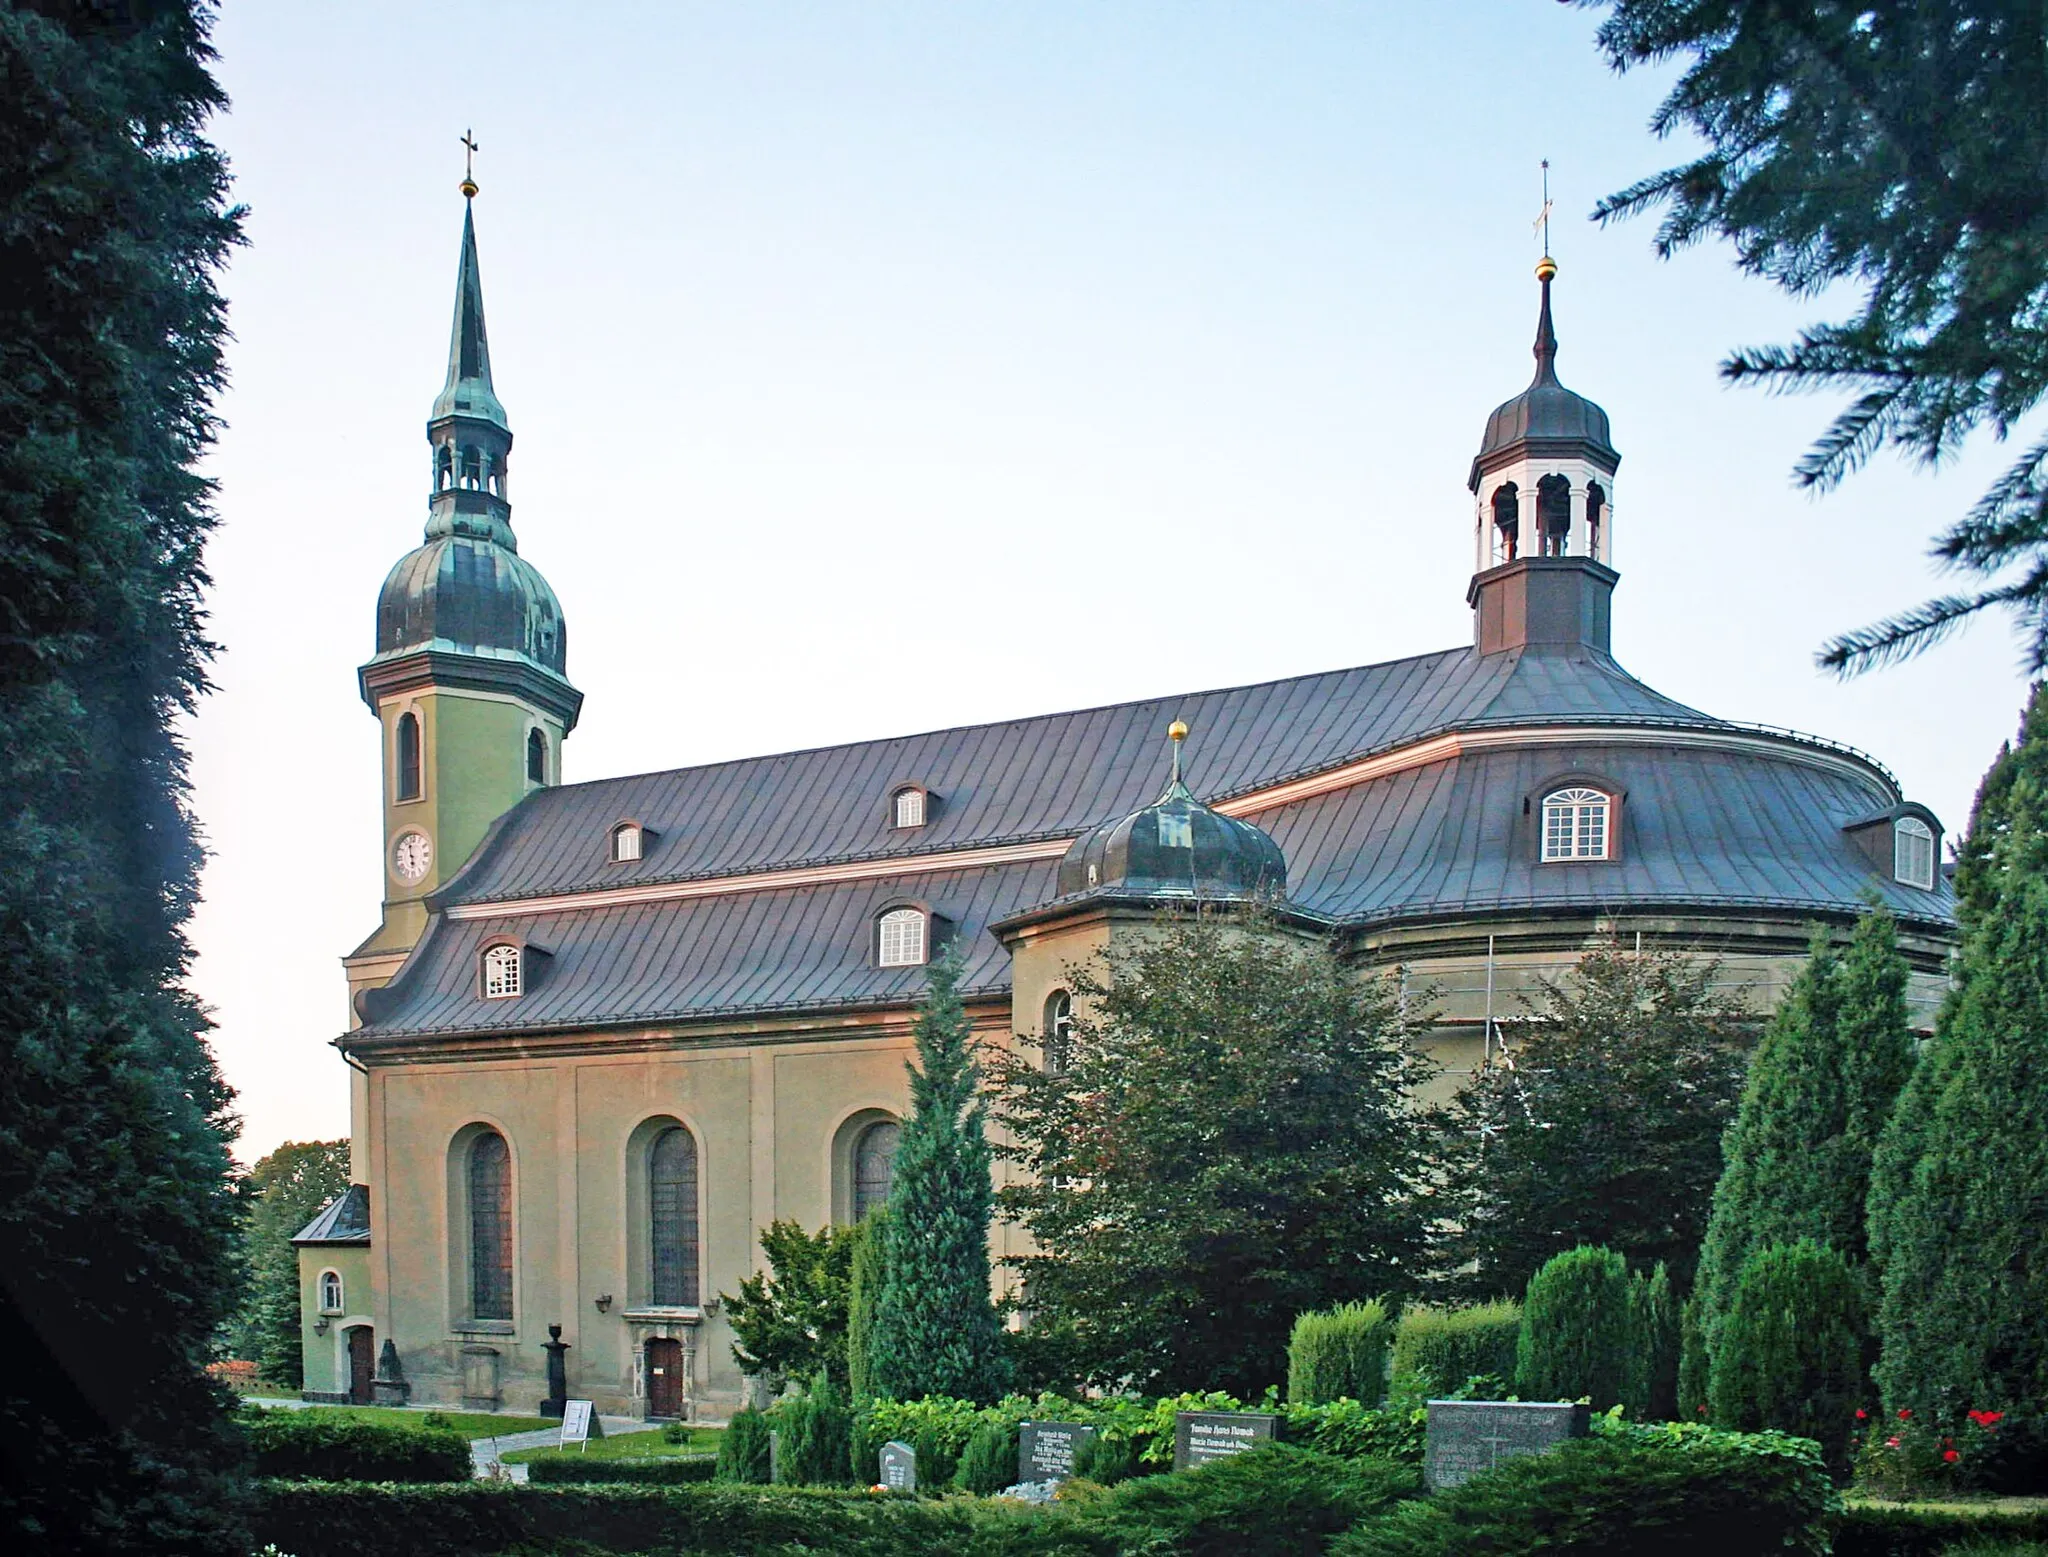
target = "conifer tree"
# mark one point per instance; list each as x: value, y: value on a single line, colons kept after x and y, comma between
x: 118, y: 1220
x: 1578, y: 1329
x: 1963, y: 1320
x: 935, y: 1331
x: 1820, y: 1087
x: 1790, y: 1356
x: 863, y: 1291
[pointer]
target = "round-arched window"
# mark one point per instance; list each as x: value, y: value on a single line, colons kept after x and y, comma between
x: 1913, y: 852
x: 900, y: 938
x: 874, y: 1166
x: 625, y: 842
x: 490, y: 1227
x: 1575, y: 824
x: 672, y: 1217
x: 501, y: 972
x: 330, y: 1291
x: 1059, y: 1031
x: 536, y: 757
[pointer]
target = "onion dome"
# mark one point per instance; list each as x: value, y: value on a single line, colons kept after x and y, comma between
x: 1546, y: 418
x: 463, y: 594
x: 1177, y: 848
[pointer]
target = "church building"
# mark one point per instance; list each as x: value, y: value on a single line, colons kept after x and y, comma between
x: 607, y: 1032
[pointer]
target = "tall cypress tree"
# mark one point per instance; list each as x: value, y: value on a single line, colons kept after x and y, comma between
x: 1963, y: 1320
x: 1820, y: 1087
x: 117, y: 1218
x: 935, y: 1330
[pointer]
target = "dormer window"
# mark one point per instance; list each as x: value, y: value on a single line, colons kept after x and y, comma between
x: 1575, y: 824
x: 1913, y: 853
x: 907, y: 807
x: 626, y: 840
x: 503, y: 977
x: 900, y: 939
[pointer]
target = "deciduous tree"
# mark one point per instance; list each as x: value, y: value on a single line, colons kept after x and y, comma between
x: 286, y: 1191
x: 789, y: 1321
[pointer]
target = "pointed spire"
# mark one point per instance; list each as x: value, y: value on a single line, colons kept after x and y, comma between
x: 1546, y: 332
x: 467, y: 390
x: 1175, y: 789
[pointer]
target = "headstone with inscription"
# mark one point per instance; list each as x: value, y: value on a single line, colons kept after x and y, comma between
x: 1202, y: 1436
x: 1045, y: 1450
x: 1465, y: 1437
x: 899, y: 1466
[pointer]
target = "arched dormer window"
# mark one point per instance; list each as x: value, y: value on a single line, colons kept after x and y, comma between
x: 1913, y: 853
x: 503, y: 977
x: 1507, y: 522
x: 672, y: 1218
x: 906, y: 807
x: 874, y: 1166
x: 1576, y: 823
x: 408, y: 756
x: 626, y: 841
x: 1596, y: 510
x: 1554, y: 515
x: 900, y: 937
x: 330, y: 1292
x: 536, y: 757
x: 490, y: 1227
x: 1059, y: 1031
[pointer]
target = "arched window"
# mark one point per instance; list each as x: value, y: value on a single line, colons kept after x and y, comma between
x: 672, y: 1217
x: 1059, y: 1031
x: 536, y: 757
x: 1575, y: 824
x: 408, y: 756
x: 1596, y: 508
x: 625, y: 842
x: 330, y: 1292
x: 1507, y: 522
x: 498, y: 474
x: 472, y: 467
x: 444, y: 468
x: 1554, y: 515
x: 910, y: 807
x: 501, y: 972
x: 1913, y: 852
x: 490, y: 1227
x: 874, y: 1166
x: 900, y: 938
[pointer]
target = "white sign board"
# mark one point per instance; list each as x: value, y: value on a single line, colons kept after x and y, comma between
x: 576, y: 1422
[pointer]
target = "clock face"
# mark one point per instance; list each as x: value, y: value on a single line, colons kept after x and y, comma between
x: 411, y: 856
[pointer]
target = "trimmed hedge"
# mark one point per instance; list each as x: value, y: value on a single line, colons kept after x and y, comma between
x: 1278, y: 1500
x: 1791, y: 1349
x: 1339, y: 1354
x: 317, y: 1446
x: 667, y: 1470
x: 1676, y: 1491
x: 1437, y: 1349
x: 744, y: 1453
x: 1867, y: 1531
x: 1577, y: 1329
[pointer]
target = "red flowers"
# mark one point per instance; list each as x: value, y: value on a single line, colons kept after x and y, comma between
x: 1950, y: 1455
x: 1905, y: 1414
x: 1703, y: 1410
x: 1988, y: 1420
x: 1862, y: 1415
x: 1891, y: 1443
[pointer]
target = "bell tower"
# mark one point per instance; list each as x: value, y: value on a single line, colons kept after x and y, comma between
x: 469, y: 681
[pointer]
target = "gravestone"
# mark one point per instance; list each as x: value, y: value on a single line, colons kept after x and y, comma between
x: 1045, y: 1450
x: 1465, y: 1437
x: 1202, y: 1436
x: 899, y: 1466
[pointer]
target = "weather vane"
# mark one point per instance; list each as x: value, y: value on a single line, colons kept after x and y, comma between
x: 1541, y: 226
x: 469, y: 150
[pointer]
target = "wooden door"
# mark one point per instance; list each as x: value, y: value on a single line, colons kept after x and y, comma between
x: 362, y: 1363
x: 665, y: 1378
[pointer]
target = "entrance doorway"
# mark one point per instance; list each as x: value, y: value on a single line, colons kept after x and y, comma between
x: 665, y: 1378
x: 362, y: 1364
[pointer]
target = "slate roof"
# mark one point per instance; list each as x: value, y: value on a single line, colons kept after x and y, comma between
x: 344, y: 1219
x: 1708, y: 828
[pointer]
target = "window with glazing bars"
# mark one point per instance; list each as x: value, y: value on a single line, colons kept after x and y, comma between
x: 672, y: 1217
x: 1575, y: 825
x: 902, y: 938
x: 490, y: 1228
x: 910, y: 808
x: 1913, y: 852
x: 501, y: 973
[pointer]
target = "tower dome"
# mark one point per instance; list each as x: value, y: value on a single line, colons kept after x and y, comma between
x: 463, y: 594
x: 1545, y: 418
x: 1178, y: 848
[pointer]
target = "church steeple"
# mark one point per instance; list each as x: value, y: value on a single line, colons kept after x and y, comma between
x: 467, y: 390
x: 467, y: 428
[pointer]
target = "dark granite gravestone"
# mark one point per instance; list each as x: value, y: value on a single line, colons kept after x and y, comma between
x: 558, y: 1372
x: 1202, y: 1436
x: 899, y: 1467
x: 1045, y: 1450
x: 1465, y: 1437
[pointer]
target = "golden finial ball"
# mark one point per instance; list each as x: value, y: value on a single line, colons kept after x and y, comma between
x: 1177, y: 731
x: 1546, y: 268
x: 469, y: 189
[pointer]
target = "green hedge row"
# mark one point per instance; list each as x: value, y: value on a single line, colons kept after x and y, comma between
x: 1436, y: 1350
x: 316, y: 1445
x: 1339, y: 1354
x: 652, y: 1471
x: 1919, y: 1532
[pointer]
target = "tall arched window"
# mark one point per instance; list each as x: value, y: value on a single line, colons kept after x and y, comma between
x: 490, y: 1227
x: 1554, y: 515
x: 874, y: 1166
x: 330, y: 1292
x: 1059, y: 1031
x: 1596, y: 510
x: 536, y: 757
x: 472, y: 467
x: 444, y: 468
x: 1575, y: 824
x: 1913, y: 852
x: 408, y: 756
x: 1507, y: 522
x: 672, y: 1217
x: 900, y: 938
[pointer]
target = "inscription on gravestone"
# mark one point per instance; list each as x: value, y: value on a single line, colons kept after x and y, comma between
x: 1202, y: 1436
x: 1465, y: 1437
x: 899, y: 1466
x: 1045, y: 1450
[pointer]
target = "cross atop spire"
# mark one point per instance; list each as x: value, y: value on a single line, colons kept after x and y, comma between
x: 469, y: 151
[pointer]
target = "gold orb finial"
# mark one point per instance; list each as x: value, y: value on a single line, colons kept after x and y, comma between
x: 469, y: 151
x: 1177, y: 731
x: 1546, y: 268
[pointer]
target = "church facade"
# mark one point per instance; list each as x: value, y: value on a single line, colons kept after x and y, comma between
x: 605, y: 1033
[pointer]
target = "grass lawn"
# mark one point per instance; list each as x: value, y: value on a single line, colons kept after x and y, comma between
x: 471, y: 1424
x: 628, y: 1446
x: 1955, y: 1503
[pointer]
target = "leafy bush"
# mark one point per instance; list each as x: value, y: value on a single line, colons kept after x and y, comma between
x: 1908, y: 1453
x: 313, y: 1445
x: 1106, y: 1460
x: 990, y: 1463
x: 1790, y: 1354
x: 650, y: 1470
x: 1653, y: 1348
x: 1576, y: 1337
x: 1867, y: 1531
x: 816, y: 1448
x: 1681, y: 1490
x: 1339, y: 1354
x: 743, y: 1453
x: 1436, y: 1350
x: 1350, y: 1430
x: 1277, y: 1499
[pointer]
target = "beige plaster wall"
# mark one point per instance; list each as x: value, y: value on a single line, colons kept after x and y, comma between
x: 324, y: 1358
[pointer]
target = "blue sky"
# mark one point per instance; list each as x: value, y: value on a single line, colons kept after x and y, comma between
x: 883, y: 366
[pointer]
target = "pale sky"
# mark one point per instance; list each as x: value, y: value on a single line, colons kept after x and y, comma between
x: 883, y: 366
